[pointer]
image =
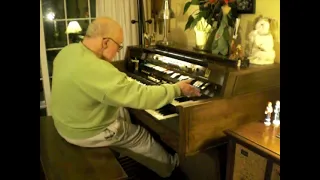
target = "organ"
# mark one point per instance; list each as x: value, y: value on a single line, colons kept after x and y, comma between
x: 232, y: 93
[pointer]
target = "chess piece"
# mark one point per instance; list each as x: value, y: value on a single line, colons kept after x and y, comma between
x: 268, y: 112
x: 276, y: 119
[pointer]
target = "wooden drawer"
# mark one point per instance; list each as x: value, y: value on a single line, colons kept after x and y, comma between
x: 275, y: 173
x: 248, y: 165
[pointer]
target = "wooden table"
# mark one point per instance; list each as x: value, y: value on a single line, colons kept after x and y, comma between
x: 253, y: 152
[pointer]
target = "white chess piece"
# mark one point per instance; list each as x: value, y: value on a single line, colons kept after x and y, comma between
x: 268, y: 112
x: 276, y: 119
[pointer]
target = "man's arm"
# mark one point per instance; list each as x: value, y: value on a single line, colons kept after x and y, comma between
x: 134, y: 95
x: 110, y: 86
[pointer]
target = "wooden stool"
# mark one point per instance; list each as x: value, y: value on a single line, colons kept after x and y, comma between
x: 63, y: 161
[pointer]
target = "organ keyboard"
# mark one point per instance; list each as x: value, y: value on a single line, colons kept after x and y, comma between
x: 232, y: 93
x: 164, y: 112
x: 169, y: 111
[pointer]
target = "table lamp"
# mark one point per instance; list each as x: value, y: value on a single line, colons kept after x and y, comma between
x: 74, y: 30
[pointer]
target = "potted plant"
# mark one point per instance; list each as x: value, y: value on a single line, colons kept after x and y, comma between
x: 212, y: 20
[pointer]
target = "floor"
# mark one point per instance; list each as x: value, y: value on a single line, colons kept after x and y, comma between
x: 134, y: 170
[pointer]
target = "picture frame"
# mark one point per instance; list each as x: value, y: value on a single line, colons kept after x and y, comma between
x: 246, y: 6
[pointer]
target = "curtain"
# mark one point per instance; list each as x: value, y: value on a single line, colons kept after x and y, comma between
x: 122, y: 11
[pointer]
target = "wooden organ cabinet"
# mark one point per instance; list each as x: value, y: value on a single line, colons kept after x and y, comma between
x: 233, y: 93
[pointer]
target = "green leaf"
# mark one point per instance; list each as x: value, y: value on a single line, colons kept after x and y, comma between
x: 195, y: 2
x: 209, y: 19
x: 193, y: 21
x: 190, y: 20
x: 203, y: 14
x: 186, y: 7
x: 198, y: 18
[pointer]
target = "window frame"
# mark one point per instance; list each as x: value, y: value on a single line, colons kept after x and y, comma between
x: 44, y: 50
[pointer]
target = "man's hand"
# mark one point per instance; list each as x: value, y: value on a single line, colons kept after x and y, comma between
x: 187, y: 89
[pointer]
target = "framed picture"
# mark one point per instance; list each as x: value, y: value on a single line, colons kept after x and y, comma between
x: 246, y: 6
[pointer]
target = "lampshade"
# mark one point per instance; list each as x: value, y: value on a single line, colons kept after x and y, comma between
x: 73, y: 27
x: 166, y: 11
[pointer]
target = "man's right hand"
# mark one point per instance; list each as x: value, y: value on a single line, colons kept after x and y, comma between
x: 187, y: 89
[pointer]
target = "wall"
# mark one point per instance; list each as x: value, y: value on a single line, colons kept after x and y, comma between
x: 268, y: 8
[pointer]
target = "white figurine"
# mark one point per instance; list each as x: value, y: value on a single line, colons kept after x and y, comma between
x: 268, y: 112
x: 276, y: 119
x: 261, y: 43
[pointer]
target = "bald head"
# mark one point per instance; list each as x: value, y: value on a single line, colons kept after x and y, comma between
x: 103, y: 27
x: 104, y: 37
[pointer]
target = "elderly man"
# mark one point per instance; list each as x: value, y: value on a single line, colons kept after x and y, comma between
x: 88, y: 93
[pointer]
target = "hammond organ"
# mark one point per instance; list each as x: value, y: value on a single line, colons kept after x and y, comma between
x: 232, y: 93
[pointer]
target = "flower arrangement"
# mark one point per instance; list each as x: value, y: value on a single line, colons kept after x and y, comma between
x: 212, y: 20
x: 210, y: 10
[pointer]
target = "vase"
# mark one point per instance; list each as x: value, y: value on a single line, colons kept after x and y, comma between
x: 201, y: 39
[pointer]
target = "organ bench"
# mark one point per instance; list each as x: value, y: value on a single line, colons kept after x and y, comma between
x: 63, y: 161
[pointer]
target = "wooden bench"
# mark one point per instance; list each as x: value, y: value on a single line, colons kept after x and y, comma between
x: 63, y: 161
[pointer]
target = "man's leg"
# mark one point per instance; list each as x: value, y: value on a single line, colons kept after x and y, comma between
x: 149, y: 140
x: 136, y: 142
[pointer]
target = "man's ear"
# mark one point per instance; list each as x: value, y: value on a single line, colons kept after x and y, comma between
x: 105, y: 43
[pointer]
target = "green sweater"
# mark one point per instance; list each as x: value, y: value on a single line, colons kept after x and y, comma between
x: 87, y: 93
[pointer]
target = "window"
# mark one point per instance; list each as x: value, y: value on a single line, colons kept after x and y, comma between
x: 61, y: 22
x: 60, y: 16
